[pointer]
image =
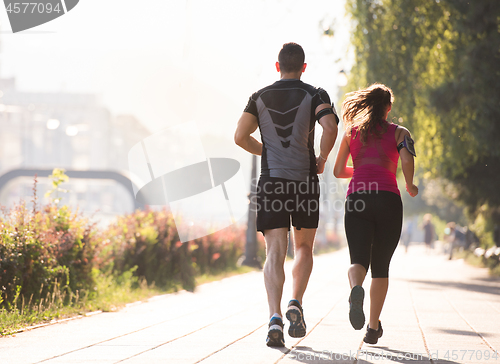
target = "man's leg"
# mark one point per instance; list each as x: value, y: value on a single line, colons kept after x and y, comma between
x: 302, y: 268
x: 274, y: 273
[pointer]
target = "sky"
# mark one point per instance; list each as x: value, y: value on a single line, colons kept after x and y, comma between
x: 168, y: 62
x: 161, y: 60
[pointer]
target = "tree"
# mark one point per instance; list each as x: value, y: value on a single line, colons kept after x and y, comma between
x: 442, y: 60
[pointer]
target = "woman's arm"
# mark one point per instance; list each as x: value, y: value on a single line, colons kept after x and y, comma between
x: 341, y: 170
x: 407, y: 163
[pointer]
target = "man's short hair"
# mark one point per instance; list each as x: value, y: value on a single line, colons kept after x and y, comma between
x: 291, y: 58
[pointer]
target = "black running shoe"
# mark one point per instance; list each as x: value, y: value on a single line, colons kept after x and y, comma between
x: 295, y: 315
x: 275, y: 333
x: 356, y: 314
x: 372, y: 336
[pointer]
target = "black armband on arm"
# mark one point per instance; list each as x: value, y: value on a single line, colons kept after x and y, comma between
x: 409, y: 144
x: 327, y: 111
x: 324, y: 112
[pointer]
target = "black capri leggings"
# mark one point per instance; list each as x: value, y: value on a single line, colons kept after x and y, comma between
x: 373, y: 227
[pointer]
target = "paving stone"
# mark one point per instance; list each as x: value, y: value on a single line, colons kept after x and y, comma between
x: 436, y: 311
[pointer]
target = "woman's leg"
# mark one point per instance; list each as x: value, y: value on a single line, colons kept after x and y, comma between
x: 356, y: 274
x: 378, y: 291
x: 360, y: 229
x: 387, y: 235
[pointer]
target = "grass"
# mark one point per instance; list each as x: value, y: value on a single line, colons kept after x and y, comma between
x: 476, y: 261
x: 57, y: 304
x: 111, y: 293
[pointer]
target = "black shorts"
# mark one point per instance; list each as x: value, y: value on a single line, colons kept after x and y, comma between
x: 278, y: 199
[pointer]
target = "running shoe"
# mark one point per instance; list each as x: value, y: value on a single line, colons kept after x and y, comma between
x: 372, y: 335
x: 275, y: 333
x: 356, y: 314
x: 295, y: 315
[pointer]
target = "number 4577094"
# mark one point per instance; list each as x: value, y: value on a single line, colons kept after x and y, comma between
x: 471, y: 354
x: 32, y: 8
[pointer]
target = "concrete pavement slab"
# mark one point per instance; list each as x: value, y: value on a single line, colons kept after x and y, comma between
x: 436, y: 311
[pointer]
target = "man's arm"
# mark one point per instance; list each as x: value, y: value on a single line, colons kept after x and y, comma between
x: 242, y: 137
x: 329, y: 124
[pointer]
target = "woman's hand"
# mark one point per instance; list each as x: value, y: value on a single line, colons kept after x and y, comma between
x: 412, y: 190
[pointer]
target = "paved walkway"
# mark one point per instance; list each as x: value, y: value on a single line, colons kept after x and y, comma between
x: 437, y: 311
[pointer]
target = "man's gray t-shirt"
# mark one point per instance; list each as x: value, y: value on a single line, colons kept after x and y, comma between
x: 285, y: 112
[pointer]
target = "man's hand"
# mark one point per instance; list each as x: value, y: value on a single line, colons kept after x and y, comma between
x: 320, y: 165
x: 412, y: 190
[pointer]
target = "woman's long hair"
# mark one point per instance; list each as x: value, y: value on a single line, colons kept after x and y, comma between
x: 365, y: 109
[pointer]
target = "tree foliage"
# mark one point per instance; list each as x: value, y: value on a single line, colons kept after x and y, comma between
x: 442, y: 60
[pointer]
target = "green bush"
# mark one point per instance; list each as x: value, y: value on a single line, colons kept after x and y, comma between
x: 55, y: 256
x: 149, y: 241
x: 42, y: 249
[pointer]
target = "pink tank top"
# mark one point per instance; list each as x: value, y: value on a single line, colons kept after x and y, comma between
x: 375, y: 163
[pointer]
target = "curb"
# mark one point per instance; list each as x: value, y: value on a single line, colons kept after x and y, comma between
x: 53, y: 322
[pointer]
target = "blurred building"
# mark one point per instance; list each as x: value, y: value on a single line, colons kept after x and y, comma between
x: 125, y: 131
x: 67, y: 130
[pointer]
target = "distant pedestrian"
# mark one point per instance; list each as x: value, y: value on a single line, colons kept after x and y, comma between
x: 456, y: 237
x: 471, y: 239
x: 373, y: 208
x: 407, y: 234
x: 429, y: 231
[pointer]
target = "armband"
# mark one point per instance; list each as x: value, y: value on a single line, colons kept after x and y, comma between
x: 327, y: 111
x: 409, y: 144
x: 324, y: 112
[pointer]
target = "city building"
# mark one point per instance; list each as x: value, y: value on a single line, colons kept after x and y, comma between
x: 42, y: 130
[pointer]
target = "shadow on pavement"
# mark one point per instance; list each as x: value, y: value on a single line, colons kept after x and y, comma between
x: 465, y: 333
x: 374, y: 354
x: 399, y: 356
x: 284, y: 350
x: 491, y: 279
x: 489, y: 289
x: 305, y: 354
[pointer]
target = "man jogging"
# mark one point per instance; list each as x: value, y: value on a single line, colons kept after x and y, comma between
x: 285, y: 113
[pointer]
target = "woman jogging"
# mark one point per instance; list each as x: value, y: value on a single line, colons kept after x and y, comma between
x: 373, y: 208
